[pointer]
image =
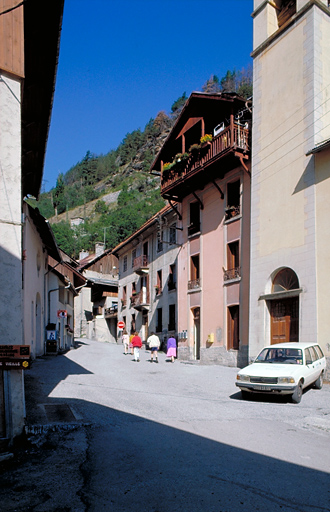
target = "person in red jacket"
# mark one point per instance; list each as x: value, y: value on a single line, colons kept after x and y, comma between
x: 137, y: 344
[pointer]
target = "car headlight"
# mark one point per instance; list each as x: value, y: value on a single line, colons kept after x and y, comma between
x: 286, y: 380
x: 243, y: 378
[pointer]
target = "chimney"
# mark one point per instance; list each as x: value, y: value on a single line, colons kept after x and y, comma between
x: 83, y: 254
x: 99, y: 249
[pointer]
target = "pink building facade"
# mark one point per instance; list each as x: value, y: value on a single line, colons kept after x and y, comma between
x: 205, y: 176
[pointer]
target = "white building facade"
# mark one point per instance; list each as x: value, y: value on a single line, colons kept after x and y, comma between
x: 148, y: 277
x: 290, y: 192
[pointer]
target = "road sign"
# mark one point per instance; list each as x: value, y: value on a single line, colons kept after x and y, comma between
x: 62, y: 313
x: 121, y: 325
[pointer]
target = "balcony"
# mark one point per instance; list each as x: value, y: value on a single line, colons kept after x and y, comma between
x: 195, y: 284
x: 230, y: 274
x: 141, y: 300
x: 229, y: 144
x: 111, y: 312
x: 141, y: 265
x: 232, y: 211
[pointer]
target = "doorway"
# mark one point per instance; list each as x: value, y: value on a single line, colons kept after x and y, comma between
x: 197, y: 333
x: 284, y: 314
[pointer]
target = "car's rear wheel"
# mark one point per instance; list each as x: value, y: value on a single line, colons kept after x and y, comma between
x: 319, y: 382
x: 296, y: 397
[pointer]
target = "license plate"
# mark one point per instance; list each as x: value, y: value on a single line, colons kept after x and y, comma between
x: 260, y: 388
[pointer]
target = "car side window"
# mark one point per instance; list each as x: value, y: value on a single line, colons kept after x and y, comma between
x: 319, y: 351
x: 308, y: 357
x: 314, y: 354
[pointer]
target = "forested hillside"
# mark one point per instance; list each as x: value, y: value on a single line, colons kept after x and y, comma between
x: 112, y: 195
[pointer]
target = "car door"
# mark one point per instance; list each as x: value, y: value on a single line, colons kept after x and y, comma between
x: 313, y: 370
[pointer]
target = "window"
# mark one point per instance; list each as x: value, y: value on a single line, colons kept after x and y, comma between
x: 159, y: 326
x: 172, y: 239
x: 171, y: 317
x: 125, y: 264
x: 233, y: 263
x: 194, y: 273
x: 160, y: 240
x: 194, y: 219
x: 172, y: 277
x: 285, y: 280
x: 61, y: 295
x: 286, y: 9
x: 133, y: 257
x: 124, y: 299
x: 159, y: 283
x: 133, y: 326
x: 233, y: 327
x: 233, y: 199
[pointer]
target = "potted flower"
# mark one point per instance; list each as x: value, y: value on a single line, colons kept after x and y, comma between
x: 206, y: 140
x: 194, y: 149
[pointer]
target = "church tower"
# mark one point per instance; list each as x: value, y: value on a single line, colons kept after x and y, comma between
x: 290, y: 179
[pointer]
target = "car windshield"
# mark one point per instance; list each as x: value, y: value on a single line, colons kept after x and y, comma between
x: 280, y: 356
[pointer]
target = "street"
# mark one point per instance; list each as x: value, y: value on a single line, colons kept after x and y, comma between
x: 141, y: 436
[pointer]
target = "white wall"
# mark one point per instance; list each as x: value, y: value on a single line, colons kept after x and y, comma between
x: 11, y: 331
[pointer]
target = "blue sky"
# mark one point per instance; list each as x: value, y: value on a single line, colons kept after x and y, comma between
x: 123, y: 61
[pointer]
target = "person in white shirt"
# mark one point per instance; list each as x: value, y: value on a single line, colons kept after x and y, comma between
x: 154, y: 344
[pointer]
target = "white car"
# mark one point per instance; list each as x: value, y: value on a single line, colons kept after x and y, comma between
x: 284, y: 369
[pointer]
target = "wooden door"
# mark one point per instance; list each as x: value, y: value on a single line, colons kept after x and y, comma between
x: 284, y: 320
x: 233, y: 327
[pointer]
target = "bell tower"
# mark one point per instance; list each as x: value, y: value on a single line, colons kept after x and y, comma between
x: 291, y: 116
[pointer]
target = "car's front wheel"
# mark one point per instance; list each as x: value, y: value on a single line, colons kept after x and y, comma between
x: 297, y: 394
x: 245, y: 395
x: 319, y: 382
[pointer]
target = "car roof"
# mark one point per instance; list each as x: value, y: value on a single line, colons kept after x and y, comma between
x: 292, y: 345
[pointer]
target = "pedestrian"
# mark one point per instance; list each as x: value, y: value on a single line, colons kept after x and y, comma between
x: 171, y: 348
x: 137, y: 344
x: 125, y: 342
x: 154, y: 344
x: 130, y: 343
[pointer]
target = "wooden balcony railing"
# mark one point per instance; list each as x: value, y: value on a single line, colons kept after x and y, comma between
x: 234, y: 137
x: 232, y: 273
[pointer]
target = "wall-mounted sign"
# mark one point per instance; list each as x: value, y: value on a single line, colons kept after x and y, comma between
x: 14, y: 351
x: 62, y: 313
x: 15, y: 364
x: 15, y: 357
x: 121, y: 325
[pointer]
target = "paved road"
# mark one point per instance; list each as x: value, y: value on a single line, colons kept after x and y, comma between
x: 170, y: 437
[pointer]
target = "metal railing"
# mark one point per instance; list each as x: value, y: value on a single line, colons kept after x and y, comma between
x: 232, y: 273
x: 194, y: 283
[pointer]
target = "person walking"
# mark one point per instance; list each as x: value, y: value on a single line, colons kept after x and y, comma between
x: 130, y: 342
x: 125, y: 342
x: 171, y: 348
x: 137, y: 344
x: 154, y: 344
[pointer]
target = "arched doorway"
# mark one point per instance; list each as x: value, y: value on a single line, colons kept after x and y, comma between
x: 284, y: 310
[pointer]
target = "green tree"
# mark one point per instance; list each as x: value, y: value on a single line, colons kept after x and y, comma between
x: 64, y: 237
x: 58, y: 195
x: 178, y: 105
x: 212, y: 85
